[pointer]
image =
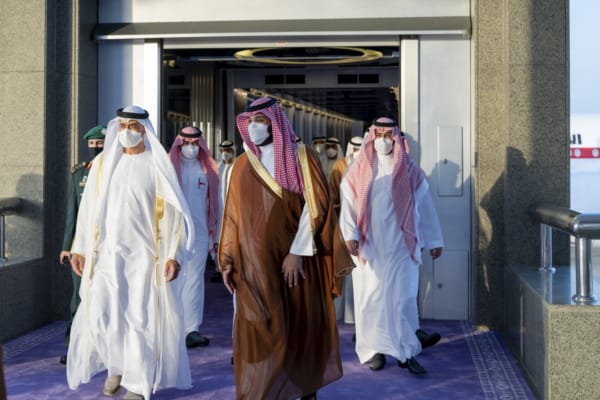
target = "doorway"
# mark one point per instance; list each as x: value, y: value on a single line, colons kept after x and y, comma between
x: 422, y: 83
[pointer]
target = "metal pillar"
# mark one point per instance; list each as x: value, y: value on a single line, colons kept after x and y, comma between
x: 546, y: 249
x: 583, y: 271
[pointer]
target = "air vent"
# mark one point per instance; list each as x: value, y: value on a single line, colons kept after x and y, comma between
x: 352, y: 79
x: 295, y: 79
x: 274, y: 79
x: 345, y: 79
x: 292, y: 79
x: 368, y: 78
x: 177, y: 80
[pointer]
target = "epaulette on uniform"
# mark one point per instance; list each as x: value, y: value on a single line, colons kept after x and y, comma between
x: 78, y: 166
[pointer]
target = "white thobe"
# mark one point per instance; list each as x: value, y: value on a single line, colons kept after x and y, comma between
x: 303, y: 241
x: 386, y: 283
x: 194, y: 185
x: 224, y: 174
x: 344, y: 304
x: 128, y: 321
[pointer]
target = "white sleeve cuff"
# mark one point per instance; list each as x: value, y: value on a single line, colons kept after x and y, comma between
x: 303, y: 242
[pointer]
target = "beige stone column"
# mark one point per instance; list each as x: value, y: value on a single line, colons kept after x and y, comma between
x: 48, y: 100
x: 521, y: 121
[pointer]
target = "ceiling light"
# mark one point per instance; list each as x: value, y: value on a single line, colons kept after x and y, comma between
x: 361, y: 55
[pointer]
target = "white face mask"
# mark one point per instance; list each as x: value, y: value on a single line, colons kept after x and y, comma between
x: 226, y: 156
x: 332, y: 153
x: 129, y: 138
x: 355, y: 155
x: 189, y: 151
x: 383, y: 146
x: 258, y: 132
x: 318, y: 148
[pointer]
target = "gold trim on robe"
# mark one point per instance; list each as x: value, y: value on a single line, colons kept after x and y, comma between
x: 260, y: 169
x: 309, y: 191
x: 159, y: 212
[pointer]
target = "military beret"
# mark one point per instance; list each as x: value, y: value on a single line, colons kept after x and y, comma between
x: 97, y: 132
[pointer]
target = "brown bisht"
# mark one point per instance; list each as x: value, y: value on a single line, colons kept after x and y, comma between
x: 285, y: 340
x: 335, y: 179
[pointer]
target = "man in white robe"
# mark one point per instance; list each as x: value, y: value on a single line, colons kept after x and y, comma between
x: 318, y: 145
x: 344, y: 304
x: 226, y: 159
x: 198, y: 176
x: 387, y: 217
x: 333, y: 152
x: 133, y: 233
x: 227, y: 156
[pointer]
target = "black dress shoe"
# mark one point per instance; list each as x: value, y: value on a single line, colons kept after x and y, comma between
x: 413, y: 366
x: 195, y: 339
x: 377, y: 362
x: 427, y: 339
x: 63, y: 359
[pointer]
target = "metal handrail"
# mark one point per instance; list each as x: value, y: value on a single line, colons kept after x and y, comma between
x: 8, y: 206
x: 584, y: 227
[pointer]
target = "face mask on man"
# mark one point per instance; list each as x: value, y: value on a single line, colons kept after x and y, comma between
x: 383, y: 146
x: 332, y: 153
x: 355, y: 155
x: 189, y: 151
x: 94, y: 151
x: 129, y: 138
x: 258, y: 132
x: 226, y: 156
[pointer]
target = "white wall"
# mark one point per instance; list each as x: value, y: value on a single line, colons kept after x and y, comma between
x: 128, y: 73
x: 233, y: 10
x: 115, y: 71
x: 445, y: 155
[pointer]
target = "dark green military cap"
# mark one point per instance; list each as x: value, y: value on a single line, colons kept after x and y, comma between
x: 97, y: 132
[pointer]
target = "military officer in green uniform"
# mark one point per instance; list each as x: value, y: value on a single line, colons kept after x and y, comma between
x: 79, y: 174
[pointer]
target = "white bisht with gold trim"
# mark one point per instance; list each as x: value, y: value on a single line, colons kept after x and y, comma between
x: 132, y: 219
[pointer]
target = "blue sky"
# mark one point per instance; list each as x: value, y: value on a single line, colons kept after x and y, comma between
x: 584, y: 30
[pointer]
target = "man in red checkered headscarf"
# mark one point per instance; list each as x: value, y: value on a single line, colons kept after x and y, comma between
x: 280, y: 252
x: 387, y: 217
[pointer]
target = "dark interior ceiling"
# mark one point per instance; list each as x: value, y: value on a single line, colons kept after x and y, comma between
x: 361, y: 102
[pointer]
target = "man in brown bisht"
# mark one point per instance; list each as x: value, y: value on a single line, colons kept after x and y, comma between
x: 344, y: 304
x: 281, y: 252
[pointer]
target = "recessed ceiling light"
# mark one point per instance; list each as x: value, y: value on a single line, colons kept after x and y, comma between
x: 360, y: 55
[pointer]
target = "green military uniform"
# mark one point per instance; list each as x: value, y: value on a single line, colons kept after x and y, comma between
x: 79, y: 175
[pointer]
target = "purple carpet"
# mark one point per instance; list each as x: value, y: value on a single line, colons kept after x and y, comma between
x: 465, y: 364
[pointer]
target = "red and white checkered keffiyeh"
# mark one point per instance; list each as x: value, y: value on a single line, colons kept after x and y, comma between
x: 406, y: 178
x: 287, y: 168
x: 209, y: 166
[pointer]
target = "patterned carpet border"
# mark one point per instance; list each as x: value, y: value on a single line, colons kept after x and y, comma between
x: 29, y: 340
x: 495, y: 369
x: 497, y: 372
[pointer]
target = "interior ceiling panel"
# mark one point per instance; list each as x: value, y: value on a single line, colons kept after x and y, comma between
x: 360, y: 102
x: 363, y: 104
